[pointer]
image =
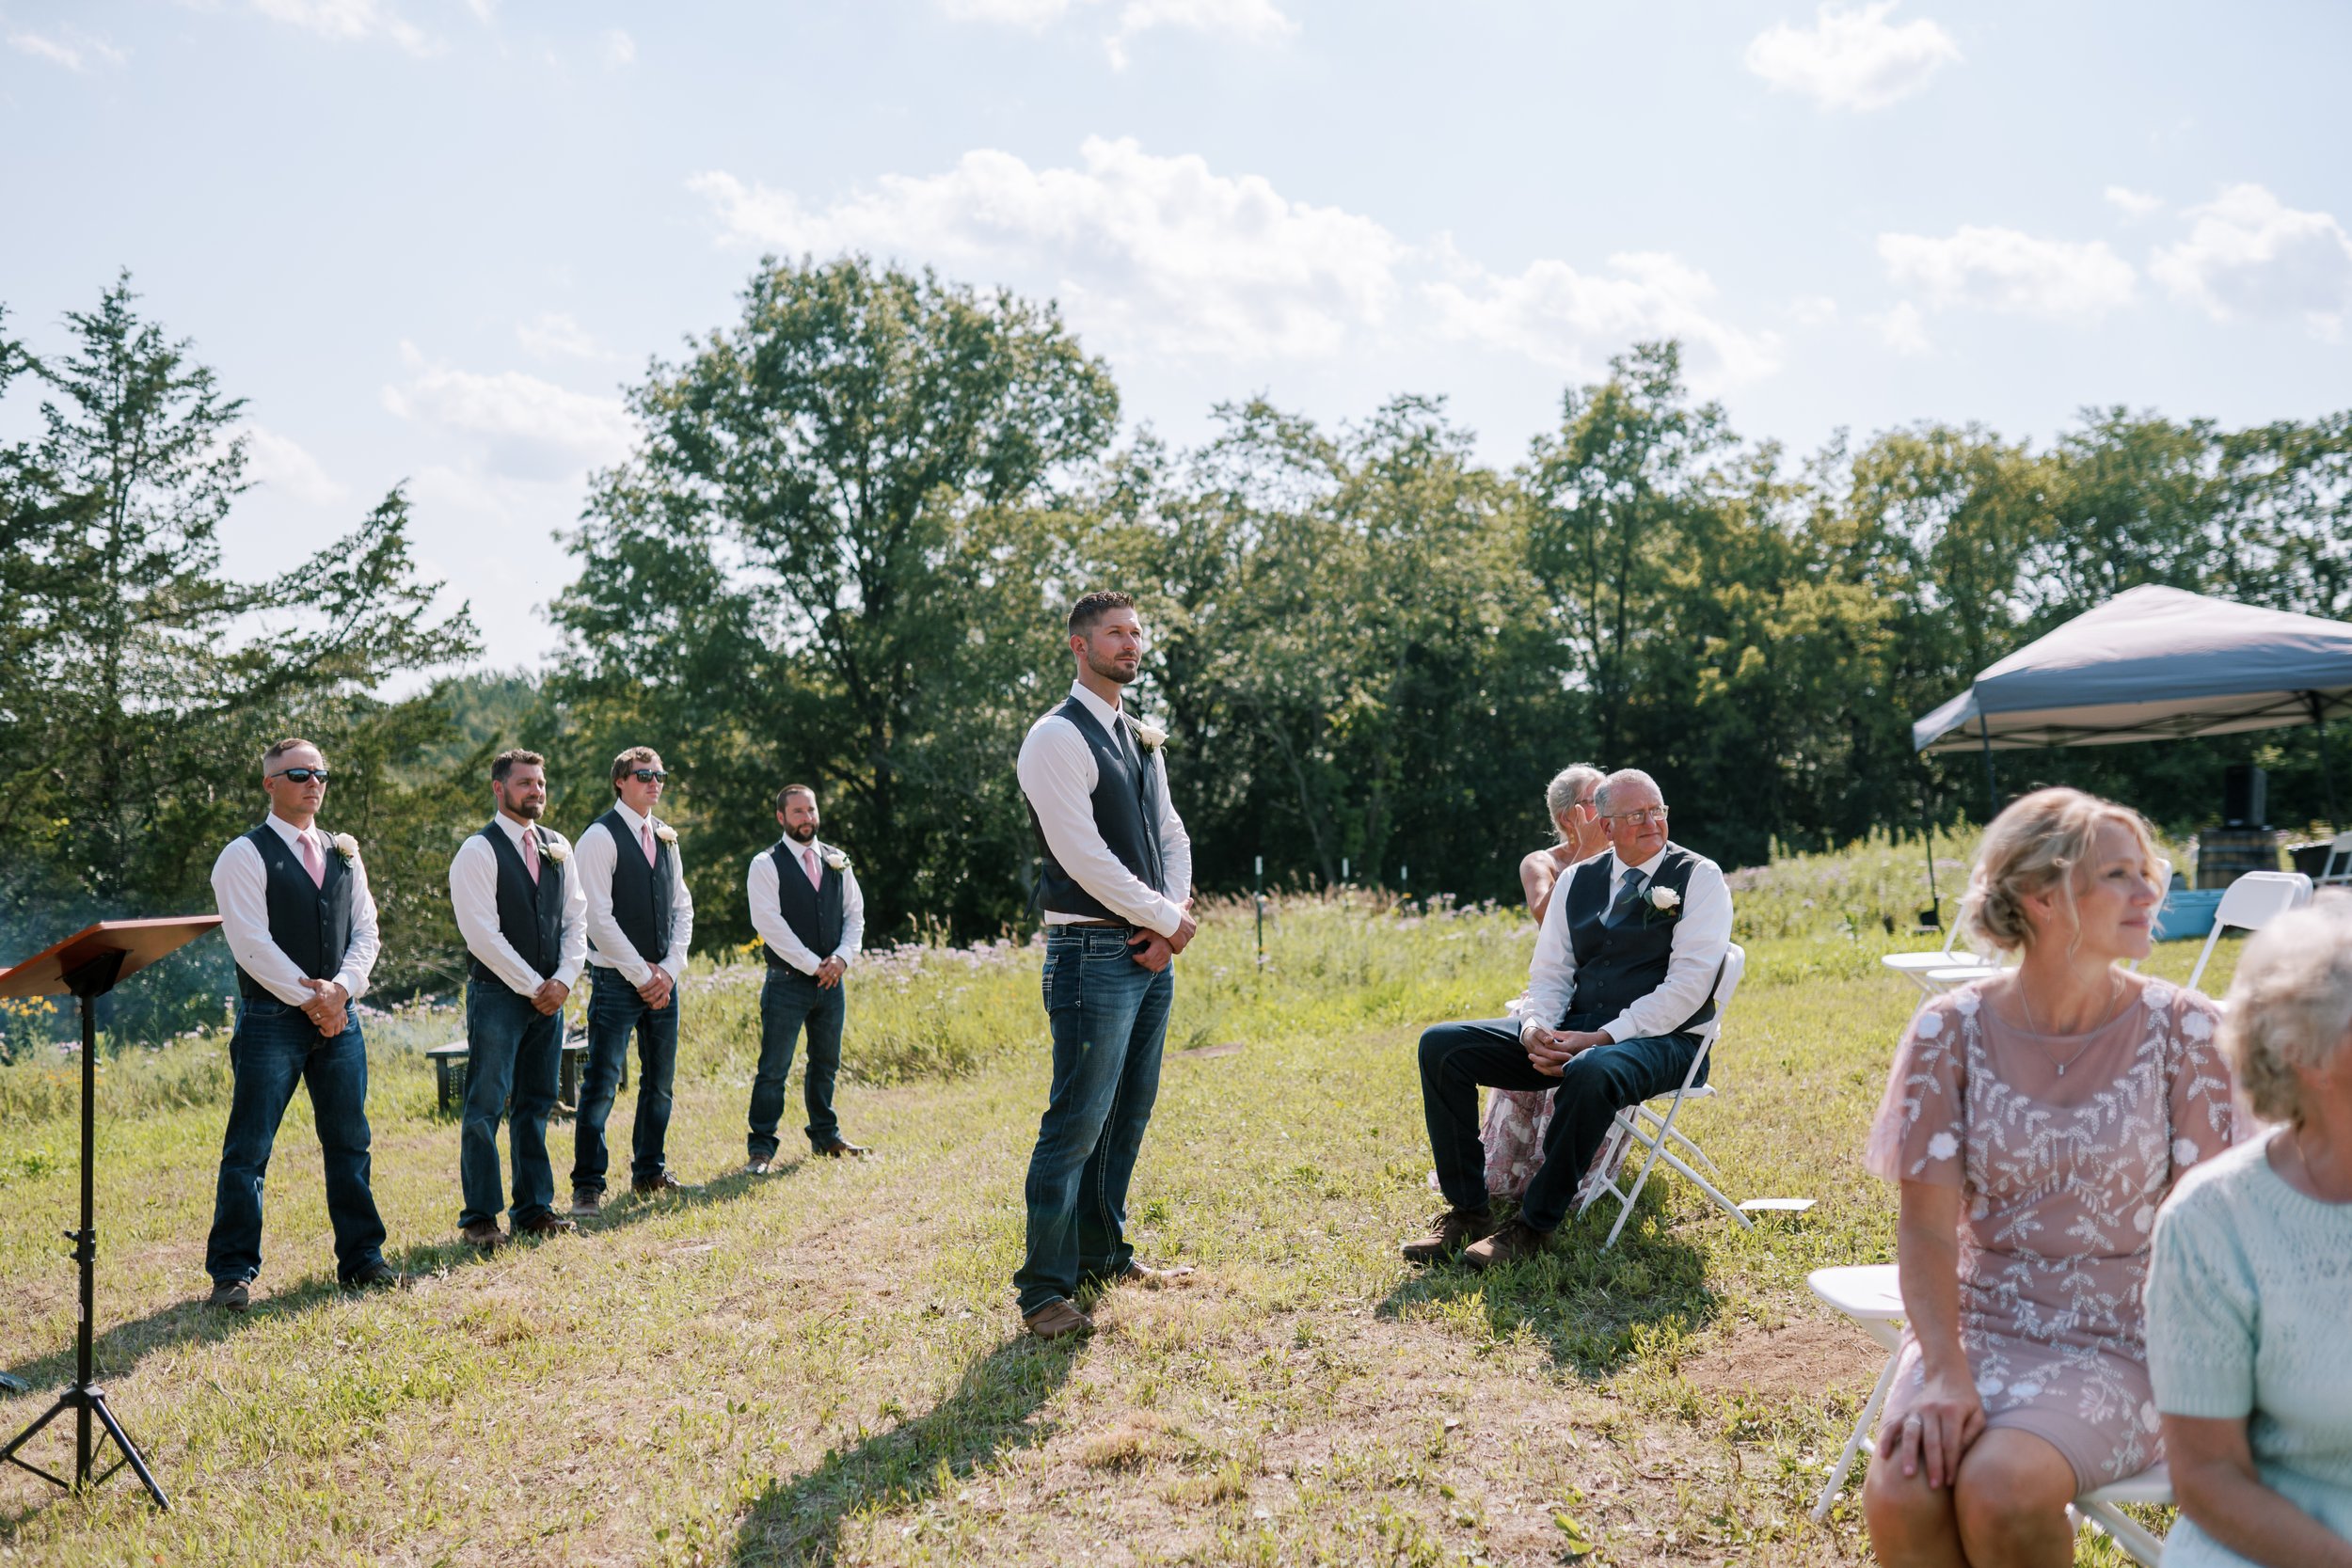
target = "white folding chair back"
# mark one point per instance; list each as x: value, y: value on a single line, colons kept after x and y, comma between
x: 1639, y: 1124
x: 2252, y: 902
x: 2336, y: 870
x: 1871, y: 1295
x: 1922, y: 968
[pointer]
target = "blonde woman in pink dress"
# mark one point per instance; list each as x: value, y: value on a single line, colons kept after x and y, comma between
x: 1513, y: 1131
x: 2036, y: 1121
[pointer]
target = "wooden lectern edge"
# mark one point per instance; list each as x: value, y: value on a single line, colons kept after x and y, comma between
x: 141, y: 942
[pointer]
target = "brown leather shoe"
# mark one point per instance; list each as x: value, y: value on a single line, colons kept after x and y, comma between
x: 1513, y: 1243
x: 232, y: 1296
x: 1057, y: 1318
x: 484, y: 1234
x: 545, y: 1224
x: 840, y: 1147
x: 586, y: 1204
x: 376, y: 1276
x: 1456, y: 1228
x: 666, y: 1182
x: 1152, y: 1278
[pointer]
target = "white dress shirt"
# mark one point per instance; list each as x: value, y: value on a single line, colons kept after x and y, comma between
x: 606, y: 947
x: 1702, y: 931
x: 760, y: 886
x: 473, y: 893
x: 241, y: 893
x: 1059, y: 775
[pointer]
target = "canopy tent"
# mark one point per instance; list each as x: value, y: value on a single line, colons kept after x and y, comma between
x: 2152, y: 664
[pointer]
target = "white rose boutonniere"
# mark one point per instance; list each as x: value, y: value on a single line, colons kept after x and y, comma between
x: 1665, y: 899
x: 1149, y: 737
x: 667, y: 833
x: 835, y: 859
x: 346, y: 846
x: 556, y: 849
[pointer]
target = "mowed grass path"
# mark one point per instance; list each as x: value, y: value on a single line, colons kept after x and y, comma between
x: 823, y: 1366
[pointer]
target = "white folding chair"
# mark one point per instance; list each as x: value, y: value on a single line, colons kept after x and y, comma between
x: 2252, y: 902
x: 2336, y: 870
x: 1640, y: 1124
x: 1924, y: 969
x: 1871, y: 1295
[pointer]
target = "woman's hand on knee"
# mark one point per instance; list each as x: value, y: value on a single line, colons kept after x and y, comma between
x: 1946, y: 1418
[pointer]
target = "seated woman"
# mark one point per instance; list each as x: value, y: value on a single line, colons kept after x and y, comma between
x: 2036, y: 1121
x: 1513, y: 1131
x: 2251, y: 1276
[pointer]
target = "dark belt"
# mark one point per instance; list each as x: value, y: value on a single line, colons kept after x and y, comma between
x: 1092, y: 926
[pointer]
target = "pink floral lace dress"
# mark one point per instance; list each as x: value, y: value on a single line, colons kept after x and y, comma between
x: 2061, y: 1173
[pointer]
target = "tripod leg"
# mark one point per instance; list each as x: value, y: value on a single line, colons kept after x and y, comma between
x: 129, y: 1451
x: 9, y: 1454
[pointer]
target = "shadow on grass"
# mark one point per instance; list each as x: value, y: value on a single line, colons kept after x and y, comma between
x: 1594, y: 1311
x: 798, y: 1522
x: 195, y: 1321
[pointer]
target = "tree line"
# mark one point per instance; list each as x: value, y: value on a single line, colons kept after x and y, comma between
x: 839, y: 552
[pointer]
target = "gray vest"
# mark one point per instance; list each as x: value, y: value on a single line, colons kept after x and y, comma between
x: 641, y: 893
x: 815, y: 913
x: 1126, y: 813
x: 1618, y: 965
x: 531, y: 916
x: 310, y: 925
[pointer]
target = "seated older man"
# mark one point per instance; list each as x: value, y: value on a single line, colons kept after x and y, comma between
x: 1624, y: 974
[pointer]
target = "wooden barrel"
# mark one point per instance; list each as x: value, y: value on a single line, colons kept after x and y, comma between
x: 2225, y: 854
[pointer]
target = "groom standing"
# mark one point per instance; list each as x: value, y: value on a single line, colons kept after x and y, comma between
x: 811, y: 918
x: 1624, y: 972
x: 1116, y: 884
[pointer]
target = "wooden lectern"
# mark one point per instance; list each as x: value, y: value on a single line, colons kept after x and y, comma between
x: 88, y: 964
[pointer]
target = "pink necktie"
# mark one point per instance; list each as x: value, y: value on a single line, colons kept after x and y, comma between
x: 313, y: 862
x: 530, y: 855
x: 644, y: 832
x: 808, y: 859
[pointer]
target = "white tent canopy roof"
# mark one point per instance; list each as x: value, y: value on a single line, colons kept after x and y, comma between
x: 2152, y: 664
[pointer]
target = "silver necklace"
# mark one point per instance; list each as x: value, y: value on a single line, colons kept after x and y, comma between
x: 2115, y: 989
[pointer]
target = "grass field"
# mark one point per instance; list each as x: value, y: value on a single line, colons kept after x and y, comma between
x: 823, y: 1365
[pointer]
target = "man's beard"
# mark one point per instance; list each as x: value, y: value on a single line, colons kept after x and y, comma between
x: 1111, y: 671
x: 528, y: 810
x: 802, y: 833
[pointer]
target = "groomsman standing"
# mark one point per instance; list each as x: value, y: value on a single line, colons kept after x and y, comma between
x: 525, y: 920
x: 810, y: 917
x: 640, y: 920
x: 1117, y: 883
x: 300, y: 922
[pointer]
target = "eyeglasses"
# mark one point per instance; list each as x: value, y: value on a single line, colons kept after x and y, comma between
x: 1647, y: 814
x: 301, y: 775
x: 647, y: 775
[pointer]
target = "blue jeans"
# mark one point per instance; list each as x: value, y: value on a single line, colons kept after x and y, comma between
x: 788, y: 999
x: 512, y: 1049
x: 614, y: 1012
x: 1109, y: 1018
x: 1455, y: 1058
x: 274, y: 1045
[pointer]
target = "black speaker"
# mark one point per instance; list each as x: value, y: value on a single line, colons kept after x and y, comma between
x: 2244, y: 796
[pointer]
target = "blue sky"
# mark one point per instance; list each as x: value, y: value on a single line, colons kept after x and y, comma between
x: 430, y: 240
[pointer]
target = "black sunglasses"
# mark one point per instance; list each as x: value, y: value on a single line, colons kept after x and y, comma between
x: 301, y: 775
x: 647, y: 775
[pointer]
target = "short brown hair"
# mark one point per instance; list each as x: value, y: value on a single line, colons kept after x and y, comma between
x: 1094, y: 606
x: 635, y: 757
x: 2034, y: 848
x: 790, y: 790
x: 279, y: 747
x: 506, y: 762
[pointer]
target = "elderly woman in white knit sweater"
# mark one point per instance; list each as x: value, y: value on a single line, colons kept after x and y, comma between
x: 2252, y: 1278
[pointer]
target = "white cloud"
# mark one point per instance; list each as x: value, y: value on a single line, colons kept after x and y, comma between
x: 2132, y: 203
x: 619, y: 49
x: 1813, y: 310
x: 350, y: 21
x: 1571, y: 320
x: 1248, y: 21
x: 553, y: 335
x: 2250, y: 254
x: 1158, y: 250
x: 2004, y: 270
x: 69, y: 47
x: 1167, y: 255
x: 522, y: 426
x: 1851, y: 59
x: 279, y: 463
x: 1902, y: 330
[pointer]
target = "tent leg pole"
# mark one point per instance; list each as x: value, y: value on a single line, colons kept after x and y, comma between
x: 1927, y: 836
x: 1992, y: 785
x: 2326, y: 775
